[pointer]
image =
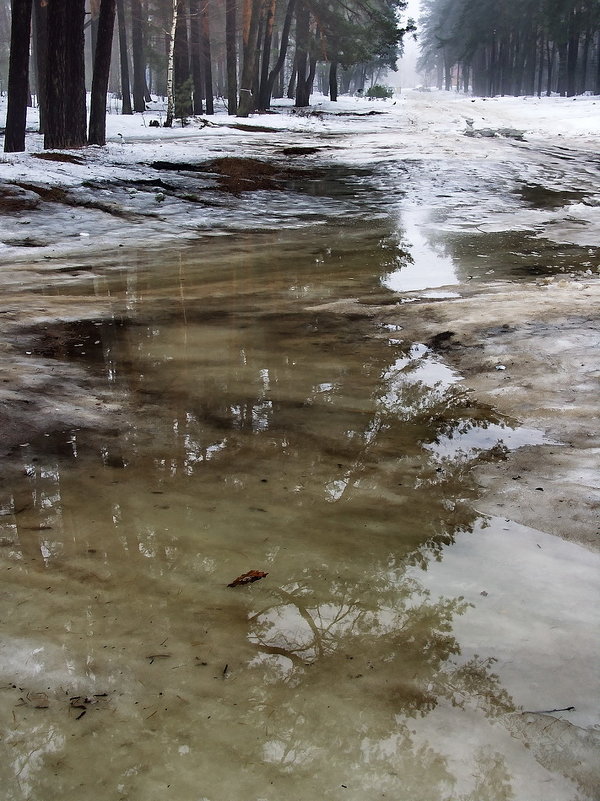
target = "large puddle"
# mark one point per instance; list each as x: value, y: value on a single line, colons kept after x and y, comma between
x: 400, y: 645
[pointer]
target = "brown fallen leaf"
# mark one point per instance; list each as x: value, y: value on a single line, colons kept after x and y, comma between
x: 248, y: 578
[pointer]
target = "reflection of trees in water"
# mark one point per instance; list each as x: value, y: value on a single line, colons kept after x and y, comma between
x: 348, y: 647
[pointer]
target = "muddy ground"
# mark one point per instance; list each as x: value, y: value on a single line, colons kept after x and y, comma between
x: 529, y: 350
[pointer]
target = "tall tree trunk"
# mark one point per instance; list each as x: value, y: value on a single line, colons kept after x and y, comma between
x: 94, y: 19
x: 291, y: 89
x: 181, y: 66
x: 102, y: 56
x: 196, y: 57
x: 584, y: 62
x: 18, y: 77
x: 302, y: 39
x: 572, y: 53
x: 206, y: 56
x: 124, y: 58
x: 562, y: 69
x: 597, y: 89
x: 139, y: 63
x: 264, y: 92
x: 333, y: 87
x: 278, y: 66
x: 230, y: 43
x: 66, y: 112
x: 251, y: 22
x: 170, y: 69
x: 549, y: 67
x: 40, y: 28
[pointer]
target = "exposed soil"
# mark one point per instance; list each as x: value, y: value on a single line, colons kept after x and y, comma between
x: 237, y: 175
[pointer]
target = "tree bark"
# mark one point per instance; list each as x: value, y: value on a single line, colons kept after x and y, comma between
x: 40, y: 28
x: 251, y: 20
x: 170, y: 69
x: 196, y: 57
x: 18, y: 77
x: 139, y: 64
x: 124, y: 58
x: 102, y: 57
x: 66, y: 111
x: 181, y: 66
x: 302, y: 38
x: 93, y: 22
x: 572, y: 54
x: 206, y: 56
x: 285, y: 37
x: 333, y: 87
x: 230, y: 43
x: 264, y: 92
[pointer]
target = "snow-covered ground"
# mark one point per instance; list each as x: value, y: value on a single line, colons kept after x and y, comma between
x: 415, y: 141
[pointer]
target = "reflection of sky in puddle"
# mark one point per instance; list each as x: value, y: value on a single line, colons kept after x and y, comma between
x: 477, y: 439
x: 428, y: 268
x: 539, y: 613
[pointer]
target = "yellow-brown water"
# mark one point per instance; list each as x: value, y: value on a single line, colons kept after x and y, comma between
x: 236, y: 427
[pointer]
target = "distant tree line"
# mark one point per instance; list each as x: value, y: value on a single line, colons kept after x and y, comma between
x: 512, y: 47
x: 189, y: 51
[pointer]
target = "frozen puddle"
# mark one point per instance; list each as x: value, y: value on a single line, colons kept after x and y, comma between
x: 399, y: 646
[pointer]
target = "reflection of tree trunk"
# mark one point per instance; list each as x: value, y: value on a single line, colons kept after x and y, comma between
x: 102, y: 56
x: 307, y: 617
x: 18, y: 77
x: 230, y: 32
x: 125, y: 86
x: 287, y: 653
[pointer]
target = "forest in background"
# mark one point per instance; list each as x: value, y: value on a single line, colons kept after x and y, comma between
x: 189, y: 51
x: 512, y: 47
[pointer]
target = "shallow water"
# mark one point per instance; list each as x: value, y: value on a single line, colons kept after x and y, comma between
x: 241, y: 429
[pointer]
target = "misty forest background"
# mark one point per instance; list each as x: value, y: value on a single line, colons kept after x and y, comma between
x: 73, y: 58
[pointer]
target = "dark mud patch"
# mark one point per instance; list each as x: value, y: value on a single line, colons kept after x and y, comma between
x: 237, y: 175
x: 301, y: 151
x: 542, y: 197
x: 516, y: 255
x: 56, y: 194
x: 67, y: 158
x: 70, y: 340
x: 26, y: 242
x: 240, y: 126
x: 17, y: 198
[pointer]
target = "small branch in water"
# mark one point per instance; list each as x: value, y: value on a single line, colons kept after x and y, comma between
x: 548, y: 711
